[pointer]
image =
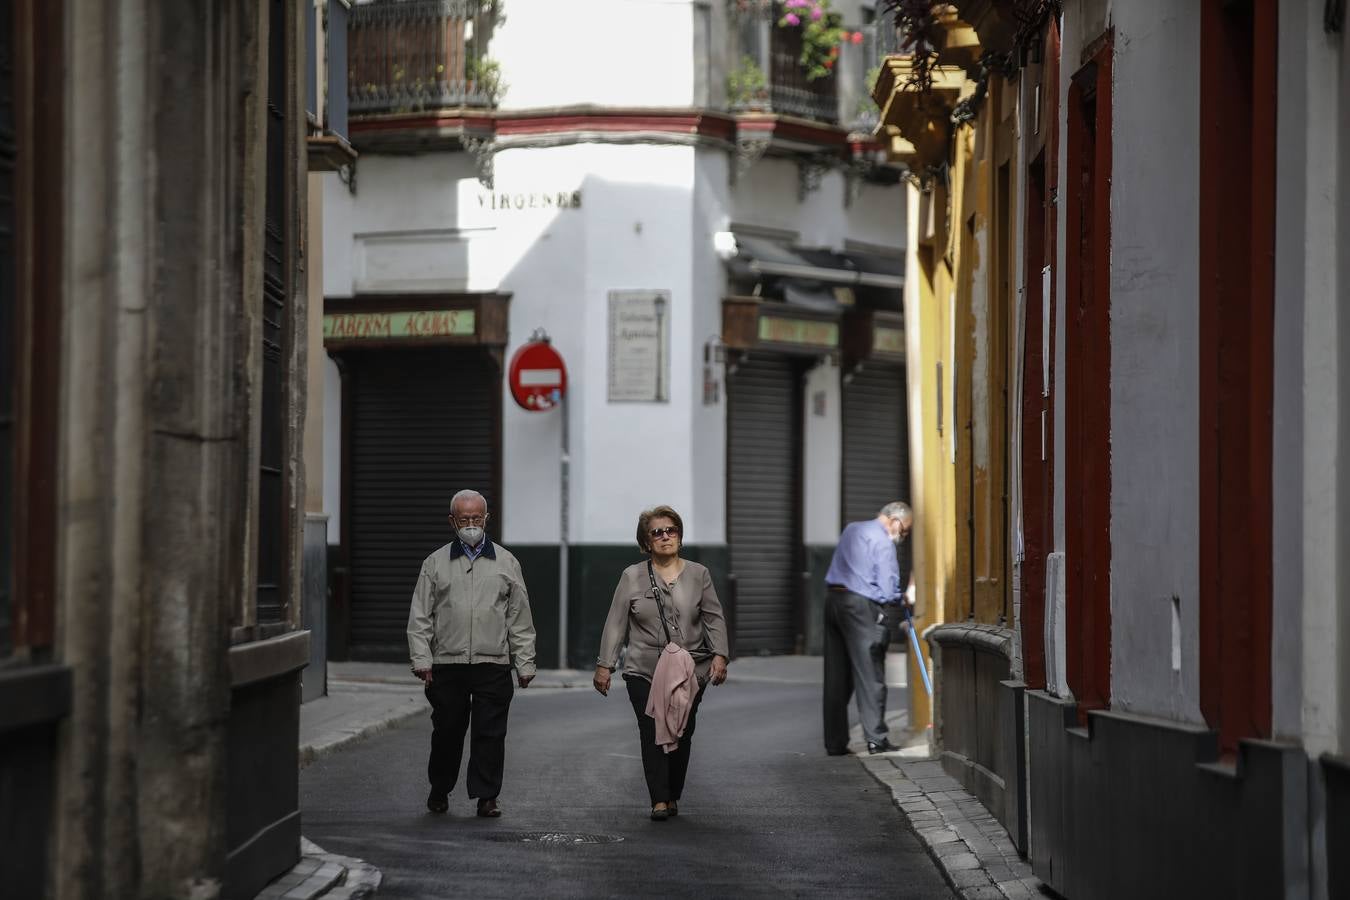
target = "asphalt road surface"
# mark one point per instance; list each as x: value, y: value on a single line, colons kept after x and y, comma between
x: 765, y: 812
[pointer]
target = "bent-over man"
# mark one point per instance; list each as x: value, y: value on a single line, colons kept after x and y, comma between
x: 862, y: 582
x: 469, y: 624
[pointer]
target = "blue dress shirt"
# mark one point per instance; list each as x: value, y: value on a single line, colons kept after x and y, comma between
x: 865, y: 562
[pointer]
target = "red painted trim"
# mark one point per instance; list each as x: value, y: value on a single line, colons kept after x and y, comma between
x: 1088, y: 385
x: 1038, y: 486
x: 1236, y: 356
x: 675, y: 122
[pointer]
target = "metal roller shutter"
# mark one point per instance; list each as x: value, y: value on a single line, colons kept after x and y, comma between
x: 876, y: 446
x: 763, y: 508
x: 423, y: 427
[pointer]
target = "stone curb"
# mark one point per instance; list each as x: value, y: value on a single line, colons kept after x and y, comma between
x: 331, y: 743
x: 323, y: 874
x: 972, y: 850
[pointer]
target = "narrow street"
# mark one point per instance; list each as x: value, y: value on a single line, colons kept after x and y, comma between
x: 766, y: 812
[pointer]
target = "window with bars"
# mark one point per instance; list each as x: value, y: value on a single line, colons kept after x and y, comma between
x: 8, y: 344
x: 271, y: 595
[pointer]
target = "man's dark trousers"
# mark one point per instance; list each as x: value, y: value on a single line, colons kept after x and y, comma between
x: 474, y: 698
x: 856, y: 637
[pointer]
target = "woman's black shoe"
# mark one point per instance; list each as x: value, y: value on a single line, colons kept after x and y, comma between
x: 437, y: 803
x: 672, y: 809
x: 660, y: 815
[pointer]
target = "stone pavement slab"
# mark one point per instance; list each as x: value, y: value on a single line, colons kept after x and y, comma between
x: 971, y: 848
x: 323, y: 874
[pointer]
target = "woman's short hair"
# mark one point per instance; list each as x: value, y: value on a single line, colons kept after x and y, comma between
x: 645, y: 521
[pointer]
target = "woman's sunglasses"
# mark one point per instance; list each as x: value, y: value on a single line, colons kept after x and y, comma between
x: 662, y: 532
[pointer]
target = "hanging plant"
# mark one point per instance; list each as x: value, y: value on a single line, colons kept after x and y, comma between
x: 822, y: 33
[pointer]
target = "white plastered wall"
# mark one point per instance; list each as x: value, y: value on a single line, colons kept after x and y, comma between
x: 1154, y: 349
x: 1312, y: 523
x: 633, y: 53
x: 822, y: 459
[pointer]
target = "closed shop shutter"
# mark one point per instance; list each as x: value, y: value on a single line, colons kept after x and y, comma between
x: 423, y: 426
x: 763, y: 502
x: 876, y: 446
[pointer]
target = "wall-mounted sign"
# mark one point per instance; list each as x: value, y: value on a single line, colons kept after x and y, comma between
x: 399, y: 325
x: 798, y: 331
x: 888, y: 340
x: 519, y: 201
x: 639, y: 346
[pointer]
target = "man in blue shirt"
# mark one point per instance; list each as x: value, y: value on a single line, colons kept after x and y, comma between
x: 862, y: 582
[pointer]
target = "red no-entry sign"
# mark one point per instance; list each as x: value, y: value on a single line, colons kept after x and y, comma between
x: 538, y: 377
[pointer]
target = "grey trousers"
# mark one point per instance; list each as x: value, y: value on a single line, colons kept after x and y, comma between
x: 856, y: 636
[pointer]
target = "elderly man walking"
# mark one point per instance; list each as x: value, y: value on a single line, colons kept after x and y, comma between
x: 469, y: 625
x: 862, y: 582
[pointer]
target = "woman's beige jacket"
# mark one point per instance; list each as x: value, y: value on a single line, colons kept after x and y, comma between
x: 693, y: 613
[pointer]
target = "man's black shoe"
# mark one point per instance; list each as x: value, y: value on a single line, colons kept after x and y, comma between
x: 487, y: 808
x: 830, y: 752
x: 437, y: 803
x: 882, y: 746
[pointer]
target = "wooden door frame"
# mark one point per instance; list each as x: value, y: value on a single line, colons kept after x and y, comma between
x: 1238, y: 90
x: 1088, y: 383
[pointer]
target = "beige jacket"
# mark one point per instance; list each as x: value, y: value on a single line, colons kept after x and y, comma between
x: 471, y: 611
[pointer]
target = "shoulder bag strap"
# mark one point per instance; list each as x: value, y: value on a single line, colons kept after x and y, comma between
x: 660, y: 607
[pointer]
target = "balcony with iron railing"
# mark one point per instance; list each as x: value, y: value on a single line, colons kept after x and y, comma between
x: 419, y: 56
x: 767, y: 74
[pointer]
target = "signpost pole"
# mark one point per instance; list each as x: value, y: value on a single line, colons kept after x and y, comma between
x: 565, y: 464
x: 538, y: 379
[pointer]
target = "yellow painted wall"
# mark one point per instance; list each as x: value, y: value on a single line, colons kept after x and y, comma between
x: 928, y: 315
x: 958, y: 309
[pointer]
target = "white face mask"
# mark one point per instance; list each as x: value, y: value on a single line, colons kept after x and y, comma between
x: 471, y: 535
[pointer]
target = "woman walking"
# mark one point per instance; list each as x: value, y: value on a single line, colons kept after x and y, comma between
x: 663, y: 599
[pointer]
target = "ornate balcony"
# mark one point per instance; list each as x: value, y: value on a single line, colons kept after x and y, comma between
x: 767, y: 75
x: 416, y: 56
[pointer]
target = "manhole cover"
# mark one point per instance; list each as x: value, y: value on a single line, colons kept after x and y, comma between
x: 556, y: 838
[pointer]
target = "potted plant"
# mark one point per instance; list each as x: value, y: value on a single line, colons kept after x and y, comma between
x: 747, y: 87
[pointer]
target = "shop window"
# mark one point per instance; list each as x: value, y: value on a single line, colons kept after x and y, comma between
x: 272, y: 540
x: 30, y: 316
x: 8, y: 344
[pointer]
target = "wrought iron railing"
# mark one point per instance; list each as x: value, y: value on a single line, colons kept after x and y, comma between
x: 415, y: 55
x: 880, y: 40
x: 775, y: 53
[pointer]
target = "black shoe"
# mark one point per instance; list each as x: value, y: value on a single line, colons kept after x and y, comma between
x: 882, y: 746
x: 487, y: 808
x: 437, y: 803
x: 672, y: 809
x: 830, y: 752
x: 660, y: 815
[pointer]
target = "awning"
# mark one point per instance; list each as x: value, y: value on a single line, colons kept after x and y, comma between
x: 810, y: 278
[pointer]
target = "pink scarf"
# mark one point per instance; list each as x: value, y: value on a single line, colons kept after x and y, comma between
x: 672, y: 696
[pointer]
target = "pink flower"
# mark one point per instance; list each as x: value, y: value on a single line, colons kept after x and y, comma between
x: 816, y: 14
x: 798, y: 4
x: 857, y: 37
x: 792, y: 19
